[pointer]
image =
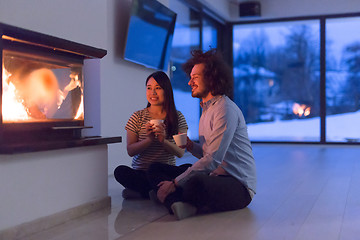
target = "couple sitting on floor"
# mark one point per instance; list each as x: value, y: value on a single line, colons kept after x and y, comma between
x: 224, y: 177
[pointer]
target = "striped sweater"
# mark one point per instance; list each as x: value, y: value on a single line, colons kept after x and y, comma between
x: 155, y: 152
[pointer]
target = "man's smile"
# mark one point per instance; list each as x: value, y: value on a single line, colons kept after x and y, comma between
x: 193, y: 87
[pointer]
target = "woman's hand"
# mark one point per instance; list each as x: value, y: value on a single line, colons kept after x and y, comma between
x: 165, y: 188
x: 150, y: 130
x: 159, y: 132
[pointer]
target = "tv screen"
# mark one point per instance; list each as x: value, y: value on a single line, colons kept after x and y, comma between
x: 150, y: 33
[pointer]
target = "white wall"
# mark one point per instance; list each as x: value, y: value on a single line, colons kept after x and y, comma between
x: 123, y: 83
x: 294, y: 8
x: 290, y: 8
x: 219, y: 7
x: 40, y: 184
x: 81, y: 21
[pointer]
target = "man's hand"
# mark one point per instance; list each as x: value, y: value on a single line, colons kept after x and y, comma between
x: 165, y: 188
x: 218, y: 171
x: 189, y: 145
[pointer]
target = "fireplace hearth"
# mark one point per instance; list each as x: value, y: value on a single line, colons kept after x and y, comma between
x: 42, y: 90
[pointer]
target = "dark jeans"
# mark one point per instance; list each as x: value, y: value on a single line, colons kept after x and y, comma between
x: 133, y: 179
x: 207, y: 193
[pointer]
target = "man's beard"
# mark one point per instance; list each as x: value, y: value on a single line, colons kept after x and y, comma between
x: 201, y: 94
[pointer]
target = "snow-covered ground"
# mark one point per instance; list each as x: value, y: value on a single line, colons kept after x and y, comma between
x: 340, y: 128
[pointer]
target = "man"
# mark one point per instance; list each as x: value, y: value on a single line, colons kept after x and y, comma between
x: 224, y: 177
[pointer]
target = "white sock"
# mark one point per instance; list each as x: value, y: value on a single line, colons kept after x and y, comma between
x: 183, y: 210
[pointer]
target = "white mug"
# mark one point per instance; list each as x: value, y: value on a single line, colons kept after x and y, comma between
x: 156, y: 122
x: 180, y: 139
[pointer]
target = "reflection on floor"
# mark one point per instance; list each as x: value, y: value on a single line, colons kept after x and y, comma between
x: 304, y: 192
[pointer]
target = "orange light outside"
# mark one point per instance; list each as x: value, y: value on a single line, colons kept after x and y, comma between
x: 301, y: 110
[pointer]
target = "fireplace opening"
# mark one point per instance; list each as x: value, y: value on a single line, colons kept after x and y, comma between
x: 42, y: 90
x: 35, y: 89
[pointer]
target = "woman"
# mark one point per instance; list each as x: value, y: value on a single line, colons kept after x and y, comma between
x: 148, y: 144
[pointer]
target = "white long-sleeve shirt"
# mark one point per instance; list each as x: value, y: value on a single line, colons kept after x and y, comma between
x: 223, y: 139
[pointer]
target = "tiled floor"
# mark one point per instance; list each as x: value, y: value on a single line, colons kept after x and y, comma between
x: 304, y: 192
x: 123, y: 217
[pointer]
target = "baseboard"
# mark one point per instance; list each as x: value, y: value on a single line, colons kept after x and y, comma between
x: 50, y: 221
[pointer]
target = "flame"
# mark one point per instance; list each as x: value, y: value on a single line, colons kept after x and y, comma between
x: 14, y: 109
x: 301, y: 110
x: 75, y: 82
x: 38, y: 98
x: 80, y: 111
x: 40, y: 92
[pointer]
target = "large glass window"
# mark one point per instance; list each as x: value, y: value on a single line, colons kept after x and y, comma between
x: 295, y: 80
x: 209, y: 34
x: 186, y: 38
x: 192, y: 31
x: 276, y: 79
x: 343, y: 80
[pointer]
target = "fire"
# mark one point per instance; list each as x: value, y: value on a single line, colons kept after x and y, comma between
x: 40, y: 92
x: 38, y: 97
x: 301, y: 110
x: 73, y: 84
x: 14, y: 109
x: 80, y: 112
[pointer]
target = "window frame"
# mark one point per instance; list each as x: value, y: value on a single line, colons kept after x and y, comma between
x: 322, y: 20
x: 222, y: 27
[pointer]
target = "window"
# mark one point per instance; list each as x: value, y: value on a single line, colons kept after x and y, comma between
x: 193, y: 30
x: 342, y: 80
x: 276, y: 79
x: 209, y: 34
x: 298, y: 80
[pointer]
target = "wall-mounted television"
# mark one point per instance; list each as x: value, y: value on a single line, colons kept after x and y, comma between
x: 150, y: 33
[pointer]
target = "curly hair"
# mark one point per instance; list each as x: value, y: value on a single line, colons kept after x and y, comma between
x: 217, y: 74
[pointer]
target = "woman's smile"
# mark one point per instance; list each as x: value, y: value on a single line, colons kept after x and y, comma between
x: 154, y: 93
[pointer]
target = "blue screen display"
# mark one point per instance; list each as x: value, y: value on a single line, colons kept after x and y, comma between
x: 150, y: 33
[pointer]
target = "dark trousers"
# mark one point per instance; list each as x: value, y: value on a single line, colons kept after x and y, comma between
x: 207, y: 193
x: 133, y: 179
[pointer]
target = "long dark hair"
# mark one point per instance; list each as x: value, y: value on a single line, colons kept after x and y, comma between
x: 217, y: 74
x: 171, y: 120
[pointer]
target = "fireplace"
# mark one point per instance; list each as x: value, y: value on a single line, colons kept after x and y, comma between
x: 42, y: 90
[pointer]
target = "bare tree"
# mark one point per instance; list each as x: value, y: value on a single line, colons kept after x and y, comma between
x: 352, y: 89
